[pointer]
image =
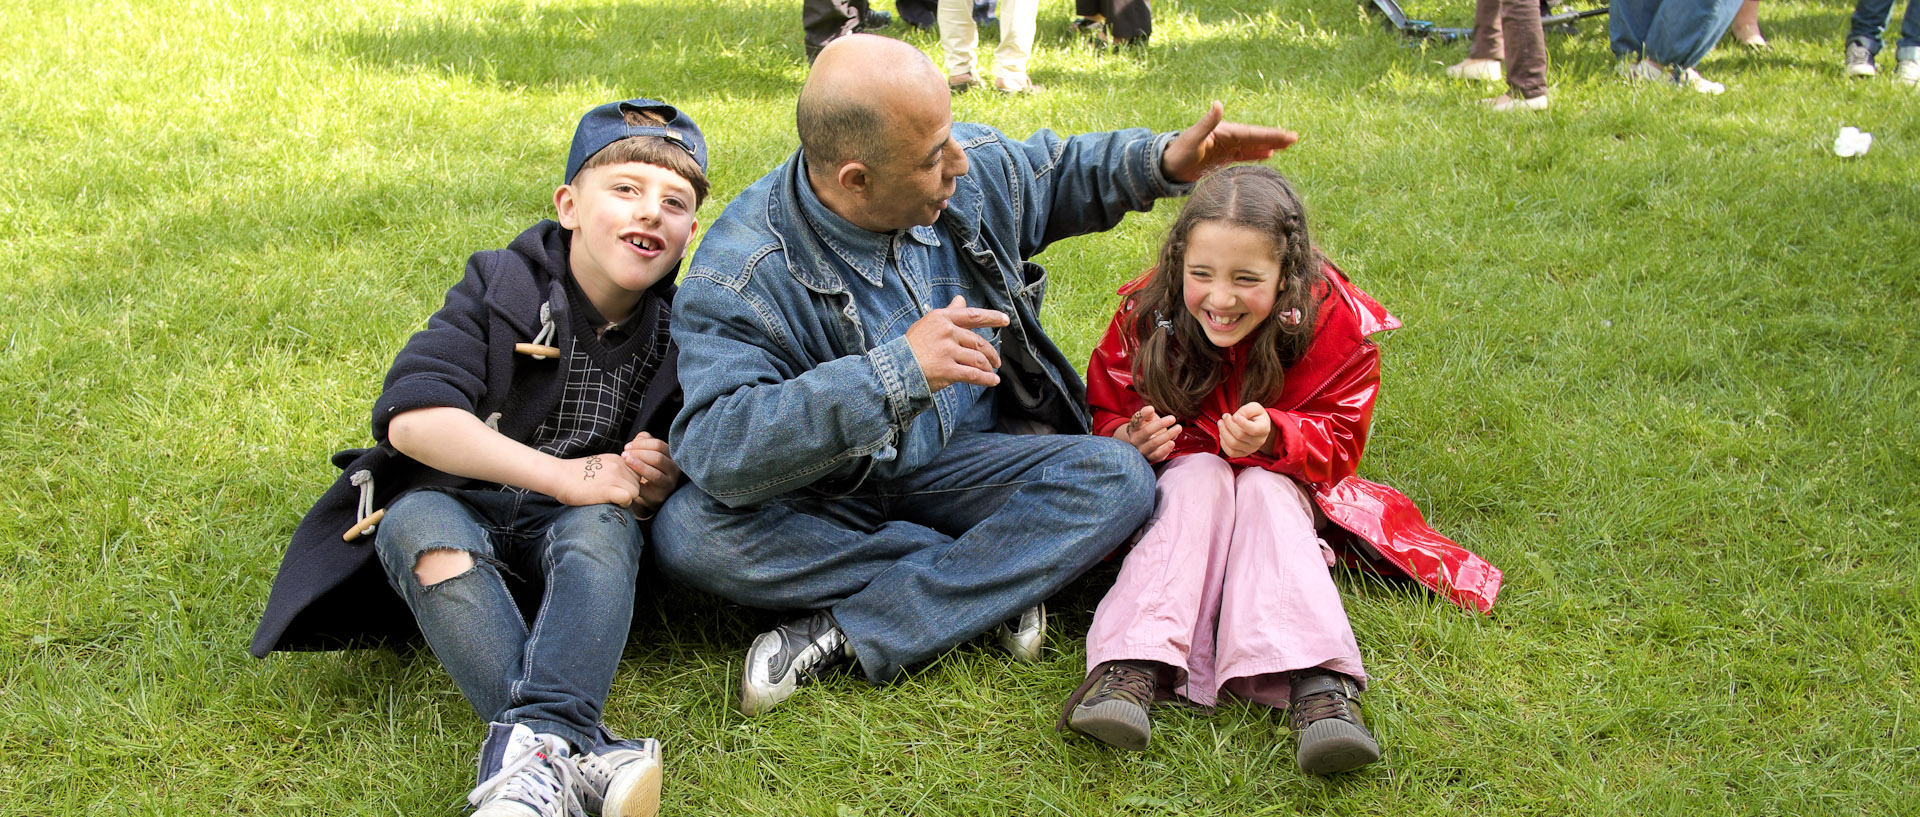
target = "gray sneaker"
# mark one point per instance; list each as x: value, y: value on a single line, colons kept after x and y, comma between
x: 1859, y: 60
x: 789, y: 655
x: 1333, y: 738
x: 1111, y: 707
x: 619, y: 777
x: 1906, y: 68
x: 1023, y: 637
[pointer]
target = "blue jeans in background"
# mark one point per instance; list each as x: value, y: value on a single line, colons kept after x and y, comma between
x: 910, y: 567
x: 1675, y: 33
x: 1870, y: 18
x: 553, y: 674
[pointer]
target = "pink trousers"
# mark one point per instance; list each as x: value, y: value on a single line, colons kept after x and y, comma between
x: 1229, y: 586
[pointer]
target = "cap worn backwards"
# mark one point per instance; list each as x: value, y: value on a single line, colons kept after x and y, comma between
x: 607, y: 124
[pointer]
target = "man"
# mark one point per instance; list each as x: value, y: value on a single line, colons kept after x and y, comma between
x: 858, y: 334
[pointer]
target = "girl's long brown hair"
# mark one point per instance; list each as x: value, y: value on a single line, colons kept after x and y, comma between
x: 1176, y: 366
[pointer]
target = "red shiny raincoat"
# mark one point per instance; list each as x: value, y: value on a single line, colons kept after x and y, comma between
x: 1321, y: 416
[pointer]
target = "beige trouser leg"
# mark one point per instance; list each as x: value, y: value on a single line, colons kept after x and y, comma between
x: 958, y: 36
x: 1017, y: 20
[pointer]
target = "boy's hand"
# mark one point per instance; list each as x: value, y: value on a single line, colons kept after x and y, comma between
x: 1245, y: 431
x: 1151, y: 433
x: 595, y: 480
x: 647, y: 457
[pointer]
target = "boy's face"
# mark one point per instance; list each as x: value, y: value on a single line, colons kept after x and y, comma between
x: 631, y: 222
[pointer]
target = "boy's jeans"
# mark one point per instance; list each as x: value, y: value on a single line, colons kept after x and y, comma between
x: 554, y: 675
x: 1870, y: 18
x: 910, y: 567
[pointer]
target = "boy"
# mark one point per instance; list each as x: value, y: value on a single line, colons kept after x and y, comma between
x: 522, y: 448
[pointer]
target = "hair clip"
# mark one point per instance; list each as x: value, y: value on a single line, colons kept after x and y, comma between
x: 1290, y: 317
x: 1163, y: 323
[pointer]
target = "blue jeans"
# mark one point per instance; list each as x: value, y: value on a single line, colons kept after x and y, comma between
x: 1674, y: 33
x: 912, y: 566
x: 553, y: 675
x: 1870, y: 18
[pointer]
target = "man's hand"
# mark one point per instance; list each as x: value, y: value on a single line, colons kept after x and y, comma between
x: 1151, y: 433
x: 1245, y: 431
x: 949, y: 351
x: 647, y: 457
x: 1211, y: 143
x: 594, y: 480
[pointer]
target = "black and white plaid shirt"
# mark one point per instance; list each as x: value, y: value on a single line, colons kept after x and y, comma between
x: 608, y: 367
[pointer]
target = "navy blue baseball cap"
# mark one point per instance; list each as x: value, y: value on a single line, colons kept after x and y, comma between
x: 607, y: 124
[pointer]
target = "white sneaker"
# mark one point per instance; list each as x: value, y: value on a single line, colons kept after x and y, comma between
x: 1023, y: 637
x: 524, y: 773
x: 1477, y: 70
x: 1906, y: 68
x: 1507, y: 103
x: 1691, y: 79
x: 621, y: 778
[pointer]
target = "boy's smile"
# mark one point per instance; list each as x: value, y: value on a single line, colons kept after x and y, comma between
x: 631, y: 222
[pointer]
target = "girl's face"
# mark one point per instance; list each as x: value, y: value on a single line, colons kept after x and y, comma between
x: 1230, y: 281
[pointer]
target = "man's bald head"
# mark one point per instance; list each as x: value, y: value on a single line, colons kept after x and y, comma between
x: 856, y: 86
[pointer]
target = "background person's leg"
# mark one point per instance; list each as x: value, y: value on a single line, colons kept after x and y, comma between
x: 1683, y: 31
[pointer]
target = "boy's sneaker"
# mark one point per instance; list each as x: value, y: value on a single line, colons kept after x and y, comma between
x: 1858, y: 61
x: 1906, y: 68
x: 1111, y: 706
x: 1023, y: 637
x: 791, y: 654
x: 620, y: 778
x: 524, y: 773
x: 1332, y: 736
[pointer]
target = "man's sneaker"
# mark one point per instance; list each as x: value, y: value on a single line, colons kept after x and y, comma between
x: 524, y: 773
x: 1906, y: 67
x: 874, y: 19
x: 620, y: 778
x: 1024, y: 636
x: 1332, y: 736
x: 1111, y: 706
x: 1858, y: 61
x: 791, y: 654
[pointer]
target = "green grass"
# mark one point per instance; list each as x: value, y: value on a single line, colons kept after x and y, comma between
x: 1659, y: 365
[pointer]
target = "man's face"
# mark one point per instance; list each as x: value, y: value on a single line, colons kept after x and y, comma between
x: 631, y: 223
x: 911, y: 185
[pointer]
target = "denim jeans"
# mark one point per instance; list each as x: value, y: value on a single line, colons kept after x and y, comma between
x: 554, y: 673
x: 912, y: 566
x: 1674, y: 33
x: 1870, y: 18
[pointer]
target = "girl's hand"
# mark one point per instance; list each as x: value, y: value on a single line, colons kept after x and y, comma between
x: 658, y: 475
x: 1245, y: 431
x: 1151, y: 433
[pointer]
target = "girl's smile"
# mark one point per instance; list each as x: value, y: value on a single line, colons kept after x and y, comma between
x: 1231, y: 280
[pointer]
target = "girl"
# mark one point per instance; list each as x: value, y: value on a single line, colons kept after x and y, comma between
x: 1241, y: 366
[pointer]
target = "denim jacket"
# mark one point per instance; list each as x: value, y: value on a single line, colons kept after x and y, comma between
x: 783, y: 393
